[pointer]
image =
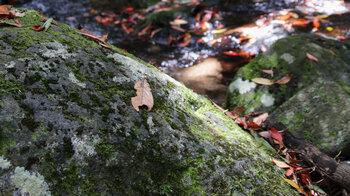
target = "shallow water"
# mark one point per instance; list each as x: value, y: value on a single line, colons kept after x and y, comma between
x: 253, y: 18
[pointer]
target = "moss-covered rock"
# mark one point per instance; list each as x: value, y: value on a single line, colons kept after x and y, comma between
x: 315, y: 111
x: 68, y: 127
x: 288, y: 55
x: 320, y: 114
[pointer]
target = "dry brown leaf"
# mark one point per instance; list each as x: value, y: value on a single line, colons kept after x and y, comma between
x: 177, y: 28
x: 94, y: 37
x: 268, y: 71
x: 309, y: 56
x: 265, y: 134
x: 9, y: 23
x: 281, y: 164
x: 154, y: 32
x: 104, y: 37
x: 261, y: 118
x: 296, y: 186
x: 285, y: 79
x: 178, y: 22
x: 263, y: 81
x: 143, y: 95
x: 235, y: 112
x: 5, y: 11
x: 217, y: 106
x: 105, y: 46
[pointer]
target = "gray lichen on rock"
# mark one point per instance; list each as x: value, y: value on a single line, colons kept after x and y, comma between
x: 80, y: 135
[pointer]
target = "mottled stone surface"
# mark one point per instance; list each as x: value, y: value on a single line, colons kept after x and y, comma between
x: 315, y: 101
x: 68, y: 127
x: 288, y: 55
x: 320, y: 114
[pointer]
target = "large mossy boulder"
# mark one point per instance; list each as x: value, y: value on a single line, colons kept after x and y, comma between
x: 316, y: 98
x: 68, y: 126
x: 320, y: 114
x: 288, y: 55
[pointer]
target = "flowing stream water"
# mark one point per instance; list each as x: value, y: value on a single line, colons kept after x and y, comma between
x: 201, y: 66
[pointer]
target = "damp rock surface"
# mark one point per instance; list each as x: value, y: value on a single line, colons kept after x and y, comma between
x: 68, y: 126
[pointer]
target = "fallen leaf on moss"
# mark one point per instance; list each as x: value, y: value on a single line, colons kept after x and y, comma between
x: 281, y: 164
x: 285, y: 79
x: 253, y: 125
x: 309, y: 56
x: 268, y: 71
x: 333, y: 53
x: 11, y: 24
x: 263, y: 81
x: 261, y: 118
x: 235, y: 112
x: 43, y: 27
x: 143, y: 95
x: 289, y: 172
x: 5, y: 11
x: 100, y: 40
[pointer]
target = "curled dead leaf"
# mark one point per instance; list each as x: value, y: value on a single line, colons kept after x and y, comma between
x: 285, y: 79
x: 263, y: 81
x: 178, y: 22
x: 143, y: 95
x: 235, y: 112
x: 261, y: 118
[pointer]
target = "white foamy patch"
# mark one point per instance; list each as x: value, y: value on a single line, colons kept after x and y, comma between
x: 267, y: 100
x: 243, y: 86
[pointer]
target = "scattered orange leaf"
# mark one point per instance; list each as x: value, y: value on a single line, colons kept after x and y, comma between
x: 299, y: 22
x: 5, y: 11
x: 252, y: 125
x: 285, y: 17
x: 94, y: 37
x: 309, y: 56
x: 331, y: 51
x: 186, y: 42
x: 143, y: 95
x: 235, y: 112
x: 285, y: 79
x: 261, y: 118
x: 11, y: 24
x: 129, y: 9
x: 316, y: 23
x: 241, y: 54
x: 242, y: 122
